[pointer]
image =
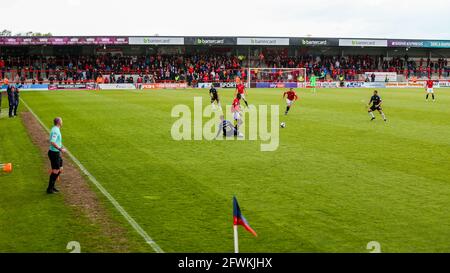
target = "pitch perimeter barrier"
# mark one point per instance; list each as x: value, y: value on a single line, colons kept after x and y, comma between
x: 228, y: 84
x: 204, y: 85
x: 333, y: 84
x: 31, y: 87
x: 225, y: 85
x: 165, y: 85
x: 116, y: 86
x: 74, y: 86
x: 276, y: 84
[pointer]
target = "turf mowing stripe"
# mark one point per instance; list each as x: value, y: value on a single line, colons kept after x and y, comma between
x: 113, y: 201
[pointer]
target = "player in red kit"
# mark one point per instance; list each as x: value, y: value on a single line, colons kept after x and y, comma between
x: 236, y: 109
x: 429, y: 89
x: 291, y: 98
x: 240, y: 89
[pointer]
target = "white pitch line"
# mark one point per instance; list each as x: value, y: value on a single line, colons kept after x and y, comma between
x: 113, y: 201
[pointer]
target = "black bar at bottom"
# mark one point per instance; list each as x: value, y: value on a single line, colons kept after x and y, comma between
x: 208, y: 262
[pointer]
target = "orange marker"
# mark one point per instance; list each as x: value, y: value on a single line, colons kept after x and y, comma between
x: 6, y: 167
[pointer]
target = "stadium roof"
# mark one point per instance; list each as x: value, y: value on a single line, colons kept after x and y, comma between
x: 222, y: 40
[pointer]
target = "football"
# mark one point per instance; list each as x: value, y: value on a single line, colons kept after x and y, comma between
x: 282, y: 125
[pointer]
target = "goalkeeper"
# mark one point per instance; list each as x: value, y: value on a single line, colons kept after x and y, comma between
x: 312, y: 82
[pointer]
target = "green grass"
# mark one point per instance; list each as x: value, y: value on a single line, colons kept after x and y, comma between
x: 30, y: 220
x: 336, y: 182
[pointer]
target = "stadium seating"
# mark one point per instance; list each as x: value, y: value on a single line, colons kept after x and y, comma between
x: 206, y: 68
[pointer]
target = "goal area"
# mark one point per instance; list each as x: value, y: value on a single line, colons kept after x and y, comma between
x: 276, y: 77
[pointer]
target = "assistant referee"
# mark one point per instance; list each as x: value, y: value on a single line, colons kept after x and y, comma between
x: 54, y: 154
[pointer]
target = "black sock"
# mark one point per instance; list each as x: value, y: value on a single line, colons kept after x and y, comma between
x: 426, y: 97
x: 246, y: 103
x: 432, y: 95
x: 224, y: 128
x: 52, y: 181
x: 287, y: 108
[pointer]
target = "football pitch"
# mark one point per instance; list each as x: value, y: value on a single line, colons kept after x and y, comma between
x: 336, y: 182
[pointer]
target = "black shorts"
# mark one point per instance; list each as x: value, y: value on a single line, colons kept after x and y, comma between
x: 214, y: 98
x: 55, y: 160
x: 373, y: 108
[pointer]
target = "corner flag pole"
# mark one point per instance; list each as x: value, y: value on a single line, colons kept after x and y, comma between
x: 236, y: 243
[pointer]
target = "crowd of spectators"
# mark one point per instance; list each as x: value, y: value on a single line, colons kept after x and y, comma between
x: 153, y: 68
x: 351, y: 66
x: 204, y: 68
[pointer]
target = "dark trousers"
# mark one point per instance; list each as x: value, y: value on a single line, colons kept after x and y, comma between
x: 11, y: 108
x: 16, y: 105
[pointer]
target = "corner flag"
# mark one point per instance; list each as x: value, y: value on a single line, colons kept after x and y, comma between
x: 239, y: 219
